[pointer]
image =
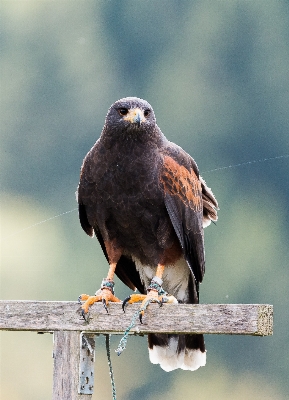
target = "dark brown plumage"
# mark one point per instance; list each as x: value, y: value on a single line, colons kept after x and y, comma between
x: 143, y: 198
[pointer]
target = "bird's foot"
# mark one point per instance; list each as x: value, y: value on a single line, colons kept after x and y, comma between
x: 156, y: 294
x: 104, y: 294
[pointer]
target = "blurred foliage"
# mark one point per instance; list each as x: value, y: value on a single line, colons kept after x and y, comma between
x: 216, y: 74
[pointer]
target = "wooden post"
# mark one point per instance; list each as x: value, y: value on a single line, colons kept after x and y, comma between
x: 73, y: 350
x: 69, y: 354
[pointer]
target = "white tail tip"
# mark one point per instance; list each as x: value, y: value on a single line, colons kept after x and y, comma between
x: 169, y: 359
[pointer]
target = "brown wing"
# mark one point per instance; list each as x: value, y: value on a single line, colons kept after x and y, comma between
x: 210, y: 204
x: 182, y: 182
x: 189, y: 203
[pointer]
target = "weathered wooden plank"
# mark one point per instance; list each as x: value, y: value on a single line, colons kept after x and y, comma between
x: 66, y: 354
x: 236, y: 319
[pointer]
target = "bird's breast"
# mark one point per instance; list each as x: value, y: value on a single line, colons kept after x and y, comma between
x: 130, y: 174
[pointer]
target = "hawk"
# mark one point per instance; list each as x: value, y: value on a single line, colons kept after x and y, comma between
x: 143, y: 198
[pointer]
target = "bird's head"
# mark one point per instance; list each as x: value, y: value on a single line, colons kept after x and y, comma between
x: 130, y: 115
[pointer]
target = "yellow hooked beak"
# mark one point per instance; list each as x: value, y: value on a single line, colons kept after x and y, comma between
x: 135, y: 116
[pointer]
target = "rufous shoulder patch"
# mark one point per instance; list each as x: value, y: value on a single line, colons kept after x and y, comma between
x: 183, y: 183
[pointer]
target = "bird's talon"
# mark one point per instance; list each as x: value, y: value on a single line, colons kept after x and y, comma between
x: 85, y: 315
x: 126, y: 300
x: 104, y: 305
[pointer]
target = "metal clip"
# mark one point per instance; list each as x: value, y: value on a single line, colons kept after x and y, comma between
x: 86, y: 364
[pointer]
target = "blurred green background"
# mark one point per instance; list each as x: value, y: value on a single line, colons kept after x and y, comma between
x: 217, y: 75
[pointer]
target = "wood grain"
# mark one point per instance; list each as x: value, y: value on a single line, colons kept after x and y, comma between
x: 66, y: 353
x: 234, y: 319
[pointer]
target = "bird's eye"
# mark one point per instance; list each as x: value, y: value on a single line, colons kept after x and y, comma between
x: 146, y: 113
x: 123, y: 111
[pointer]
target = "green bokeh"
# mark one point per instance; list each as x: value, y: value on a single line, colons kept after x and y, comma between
x: 216, y: 74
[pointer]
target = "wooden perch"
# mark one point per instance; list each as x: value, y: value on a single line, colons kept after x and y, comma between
x: 233, y: 319
x: 73, y: 350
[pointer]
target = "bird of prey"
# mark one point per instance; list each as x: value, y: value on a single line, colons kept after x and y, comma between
x: 143, y: 198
